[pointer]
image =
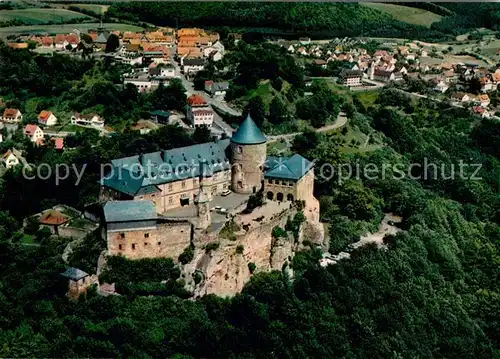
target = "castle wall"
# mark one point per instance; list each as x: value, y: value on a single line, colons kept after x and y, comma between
x: 170, y: 194
x: 165, y: 240
x: 301, y: 190
x: 247, y: 167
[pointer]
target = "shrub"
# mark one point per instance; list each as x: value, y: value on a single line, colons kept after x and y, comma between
x: 240, y: 249
x: 278, y: 232
x: 187, y: 255
x: 211, y: 247
x: 251, y: 267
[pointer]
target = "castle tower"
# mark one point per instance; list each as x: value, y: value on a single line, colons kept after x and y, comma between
x: 202, y: 202
x: 248, y: 155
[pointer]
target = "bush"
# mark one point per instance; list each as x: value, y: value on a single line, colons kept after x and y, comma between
x: 211, y: 247
x: 278, y: 232
x: 187, y: 255
x: 240, y: 249
x: 32, y: 225
x: 251, y: 267
x: 197, y: 277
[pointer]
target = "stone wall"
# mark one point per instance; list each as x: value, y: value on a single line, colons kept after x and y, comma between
x: 76, y: 288
x: 247, y: 167
x: 168, y: 239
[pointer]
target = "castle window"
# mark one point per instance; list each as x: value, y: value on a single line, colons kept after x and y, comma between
x: 170, y: 187
x: 145, y: 244
x: 122, y: 235
x: 283, y: 183
x: 120, y: 247
x: 276, y: 182
x: 146, y: 235
x: 183, y: 184
x: 239, y: 149
x: 270, y: 181
x: 133, y: 245
x: 170, y: 200
x: 159, y: 243
x: 290, y: 183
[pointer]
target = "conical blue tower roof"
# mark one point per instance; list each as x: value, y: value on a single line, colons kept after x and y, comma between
x: 248, y: 133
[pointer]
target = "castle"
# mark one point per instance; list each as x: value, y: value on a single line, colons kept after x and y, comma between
x: 143, y: 186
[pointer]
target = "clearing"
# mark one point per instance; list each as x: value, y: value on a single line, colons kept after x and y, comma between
x: 95, y: 8
x: 64, y: 28
x: 407, y: 14
x: 40, y: 16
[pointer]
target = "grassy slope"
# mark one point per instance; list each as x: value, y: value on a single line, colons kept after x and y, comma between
x: 58, y: 29
x: 97, y: 8
x: 39, y: 16
x: 407, y: 14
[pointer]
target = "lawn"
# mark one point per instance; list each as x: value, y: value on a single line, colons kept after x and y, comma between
x: 40, y: 16
x: 407, y: 14
x: 368, y: 97
x: 64, y: 29
x: 358, y: 142
x: 96, y: 8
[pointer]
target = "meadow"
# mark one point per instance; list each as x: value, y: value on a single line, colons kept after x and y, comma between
x: 40, y: 16
x: 64, y: 28
x: 407, y: 14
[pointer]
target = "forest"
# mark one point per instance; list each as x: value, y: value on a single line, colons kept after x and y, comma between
x: 433, y: 293
x: 312, y: 19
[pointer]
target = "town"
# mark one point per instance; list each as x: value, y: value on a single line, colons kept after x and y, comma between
x: 281, y: 174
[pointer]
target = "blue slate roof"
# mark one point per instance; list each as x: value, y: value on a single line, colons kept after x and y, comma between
x: 74, y: 274
x: 128, y: 211
x: 292, y: 168
x: 137, y: 175
x: 248, y: 133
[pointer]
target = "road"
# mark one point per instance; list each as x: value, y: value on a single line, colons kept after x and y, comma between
x: 219, y: 122
x: 340, y: 122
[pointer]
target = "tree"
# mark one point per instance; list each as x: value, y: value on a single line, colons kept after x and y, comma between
x: 278, y: 112
x: 257, y: 110
x: 202, y: 134
x: 112, y: 43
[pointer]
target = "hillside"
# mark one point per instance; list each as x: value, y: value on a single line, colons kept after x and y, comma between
x: 410, y: 15
x: 40, y: 16
x: 313, y: 19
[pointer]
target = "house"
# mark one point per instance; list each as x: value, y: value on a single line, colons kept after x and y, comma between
x: 162, y: 71
x: 216, y: 51
x: 144, y: 126
x: 58, y: 143
x: 90, y: 119
x: 484, y: 99
x: 9, y: 159
x: 47, y: 118
x: 351, y: 78
x: 383, y: 75
x: 487, y: 83
x: 130, y: 50
x: 12, y: 115
x: 481, y: 111
x: 192, y: 66
x: 199, y: 113
x: 142, y: 82
x: 424, y: 53
x: 216, y: 89
x: 34, y: 132
x: 439, y: 85
x: 102, y: 39
x: 461, y: 97
x: 304, y: 40
x: 321, y: 63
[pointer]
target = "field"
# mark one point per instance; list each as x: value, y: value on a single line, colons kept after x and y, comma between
x: 96, y: 8
x: 65, y: 28
x: 40, y: 16
x: 407, y: 14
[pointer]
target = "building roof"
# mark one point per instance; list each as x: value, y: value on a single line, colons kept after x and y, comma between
x: 74, y: 274
x: 44, y: 115
x: 136, y: 175
x: 196, y: 100
x: 10, y: 112
x: 287, y: 168
x: 58, y: 142
x: 53, y: 217
x: 129, y: 211
x: 248, y: 133
x: 30, y: 129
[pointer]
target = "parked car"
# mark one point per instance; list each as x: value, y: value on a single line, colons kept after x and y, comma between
x: 227, y: 192
x: 222, y: 211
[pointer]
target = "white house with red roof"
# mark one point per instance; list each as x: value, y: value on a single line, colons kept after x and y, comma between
x: 91, y: 119
x: 198, y: 112
x: 33, y: 132
x: 9, y: 159
x: 11, y: 115
x: 47, y: 118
